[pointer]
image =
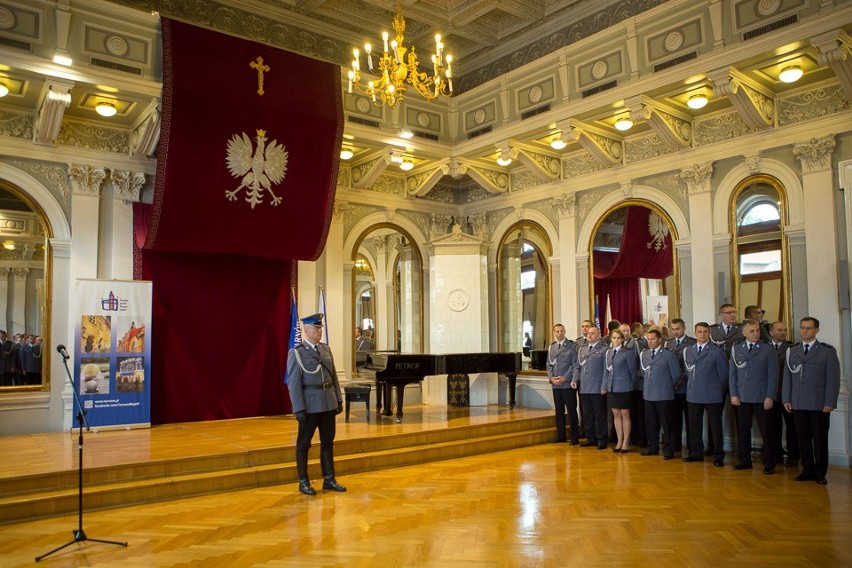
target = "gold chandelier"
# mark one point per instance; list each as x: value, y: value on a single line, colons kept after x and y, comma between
x: 396, y: 68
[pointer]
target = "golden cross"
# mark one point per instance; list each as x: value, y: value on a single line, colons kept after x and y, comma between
x: 261, y: 69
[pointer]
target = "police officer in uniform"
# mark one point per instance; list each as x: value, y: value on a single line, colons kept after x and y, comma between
x: 661, y: 372
x: 811, y: 389
x: 727, y: 332
x: 752, y: 381
x: 588, y: 379
x: 779, y: 417
x: 316, y: 397
x: 561, y: 360
x: 676, y: 344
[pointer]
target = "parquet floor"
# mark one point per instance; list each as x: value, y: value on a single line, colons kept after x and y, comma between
x: 549, y: 505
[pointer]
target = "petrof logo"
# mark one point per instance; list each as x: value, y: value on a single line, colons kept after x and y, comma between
x: 110, y: 304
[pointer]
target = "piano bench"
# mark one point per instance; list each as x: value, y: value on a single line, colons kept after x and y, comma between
x: 357, y: 393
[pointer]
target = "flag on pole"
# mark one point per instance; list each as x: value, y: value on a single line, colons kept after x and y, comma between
x: 597, y: 314
x: 295, y: 329
x: 608, y: 310
x: 324, y: 315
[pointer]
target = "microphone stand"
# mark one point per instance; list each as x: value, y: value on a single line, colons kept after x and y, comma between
x: 79, y: 534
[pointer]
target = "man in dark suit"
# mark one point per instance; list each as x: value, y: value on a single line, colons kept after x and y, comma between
x: 780, y: 418
x: 707, y: 377
x: 316, y: 397
x: 561, y: 360
x: 661, y: 372
x: 752, y: 381
x: 811, y: 390
x: 676, y: 344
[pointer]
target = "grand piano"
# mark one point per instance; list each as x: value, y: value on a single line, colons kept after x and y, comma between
x: 397, y: 370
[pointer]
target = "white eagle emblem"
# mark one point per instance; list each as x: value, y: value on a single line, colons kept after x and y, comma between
x: 260, y: 171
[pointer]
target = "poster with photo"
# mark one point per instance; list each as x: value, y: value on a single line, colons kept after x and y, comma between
x: 657, y: 310
x: 112, y: 355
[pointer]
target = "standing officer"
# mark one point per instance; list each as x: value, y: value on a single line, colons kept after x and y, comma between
x: 752, y: 381
x: 707, y: 376
x: 778, y: 340
x: 315, y: 394
x: 588, y: 377
x: 727, y: 332
x: 676, y: 344
x: 561, y: 359
x: 661, y: 372
x: 811, y: 388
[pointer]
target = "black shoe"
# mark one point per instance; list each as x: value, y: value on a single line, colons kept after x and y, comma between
x: 822, y: 481
x: 558, y: 441
x: 804, y: 477
x: 573, y: 442
x: 741, y: 466
x: 616, y: 450
x: 692, y: 459
x: 650, y: 453
x: 624, y: 450
x: 668, y: 457
x: 602, y: 446
x: 718, y: 463
x: 587, y: 444
x: 305, y: 487
x: 768, y: 470
x: 332, y: 485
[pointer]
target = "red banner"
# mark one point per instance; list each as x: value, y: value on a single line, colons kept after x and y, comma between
x: 248, y: 155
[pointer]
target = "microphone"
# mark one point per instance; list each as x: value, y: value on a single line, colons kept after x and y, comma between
x: 62, y: 351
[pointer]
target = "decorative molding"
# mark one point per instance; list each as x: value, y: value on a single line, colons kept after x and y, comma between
x: 492, y: 181
x: 673, y: 127
x: 390, y: 212
x: 698, y: 178
x: 722, y: 127
x: 477, y: 222
x: 145, y: 134
x: 565, y: 204
x: 544, y: 166
x: 815, y: 154
x: 16, y: 125
x: 626, y: 189
x: 835, y: 49
x: 754, y: 103
x: 342, y: 212
x: 440, y: 224
x: 86, y: 180
x: 128, y: 185
x: 607, y: 150
x: 421, y: 183
x: 524, y: 179
x: 55, y: 177
x: 82, y: 135
x: 646, y: 147
x: 580, y: 163
x: 753, y: 163
x: 20, y: 273
x: 392, y: 184
x: 813, y: 104
x: 55, y: 98
x: 366, y: 173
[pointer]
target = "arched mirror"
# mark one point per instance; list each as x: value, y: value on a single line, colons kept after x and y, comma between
x: 388, y: 292
x: 759, y: 250
x: 23, y: 291
x: 523, y: 289
x: 634, y: 266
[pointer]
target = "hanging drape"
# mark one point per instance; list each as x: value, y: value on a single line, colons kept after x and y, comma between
x: 246, y: 174
x: 643, y: 254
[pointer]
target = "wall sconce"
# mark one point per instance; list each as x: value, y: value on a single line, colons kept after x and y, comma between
x: 791, y: 74
x: 346, y: 153
x: 623, y: 124
x: 4, y: 90
x: 105, y: 109
x: 697, y: 101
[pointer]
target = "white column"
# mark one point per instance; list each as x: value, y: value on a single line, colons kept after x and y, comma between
x: 380, y: 293
x: 511, y: 302
x: 85, y: 214
x: 339, y: 329
x: 569, y: 307
x: 116, y: 255
x: 4, y: 297
x: 19, y: 294
x: 697, y: 179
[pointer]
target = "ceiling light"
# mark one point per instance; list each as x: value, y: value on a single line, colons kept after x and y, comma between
x: 105, y: 109
x: 697, y: 101
x: 346, y: 154
x: 406, y: 165
x: 4, y: 90
x: 406, y: 133
x: 623, y: 124
x: 9, y: 245
x: 558, y: 143
x: 62, y: 60
x: 504, y: 161
x: 791, y: 74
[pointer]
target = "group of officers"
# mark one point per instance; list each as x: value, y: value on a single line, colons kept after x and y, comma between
x: 655, y: 386
x: 20, y: 359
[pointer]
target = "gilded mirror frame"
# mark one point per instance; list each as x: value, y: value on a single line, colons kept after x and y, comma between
x: 547, y: 252
x: 46, y: 307
x: 733, y: 227
x: 675, y: 306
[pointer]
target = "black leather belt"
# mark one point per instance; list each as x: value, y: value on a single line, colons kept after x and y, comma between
x: 324, y: 386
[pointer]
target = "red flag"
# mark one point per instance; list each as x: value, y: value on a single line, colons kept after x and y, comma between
x: 247, y: 161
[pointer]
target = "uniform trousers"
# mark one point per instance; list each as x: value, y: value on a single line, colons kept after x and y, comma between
x: 658, y: 414
x: 714, y: 427
x: 594, y: 417
x: 680, y: 418
x: 812, y: 429
x: 745, y: 412
x: 780, y: 418
x: 566, y: 400
x: 327, y: 425
x: 637, y: 419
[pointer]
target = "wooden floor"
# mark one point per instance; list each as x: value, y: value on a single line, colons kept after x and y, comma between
x: 547, y: 505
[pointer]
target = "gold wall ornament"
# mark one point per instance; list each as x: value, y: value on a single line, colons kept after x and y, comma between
x: 398, y: 67
x: 261, y: 69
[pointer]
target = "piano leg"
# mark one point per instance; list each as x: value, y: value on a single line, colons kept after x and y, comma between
x: 388, y: 399
x: 400, y: 390
x: 379, y: 392
x: 513, y: 381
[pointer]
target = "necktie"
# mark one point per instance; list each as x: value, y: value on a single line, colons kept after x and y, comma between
x: 700, y: 347
x: 807, y: 347
x: 777, y: 346
x: 677, y: 343
x: 750, y: 345
x: 727, y: 329
x: 653, y: 352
